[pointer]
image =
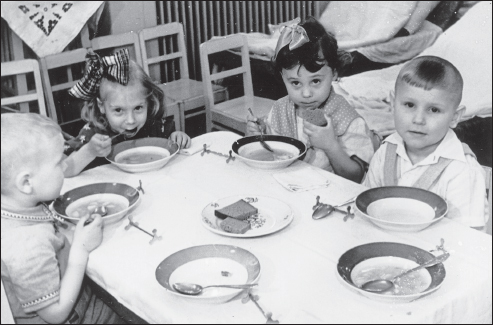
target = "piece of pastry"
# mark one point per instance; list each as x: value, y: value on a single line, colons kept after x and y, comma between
x: 239, y: 210
x: 235, y: 226
x: 314, y: 116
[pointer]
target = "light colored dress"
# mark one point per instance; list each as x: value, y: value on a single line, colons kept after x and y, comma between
x: 351, y: 130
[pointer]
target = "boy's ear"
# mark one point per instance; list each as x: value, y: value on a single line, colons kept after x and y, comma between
x: 457, y: 116
x: 23, y: 182
x: 392, y: 97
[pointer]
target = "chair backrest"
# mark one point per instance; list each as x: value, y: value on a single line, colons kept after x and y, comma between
x: 60, y: 72
x: 7, y: 317
x: 236, y: 41
x: 164, y: 44
x: 15, y: 88
x: 488, y: 176
x: 105, y: 45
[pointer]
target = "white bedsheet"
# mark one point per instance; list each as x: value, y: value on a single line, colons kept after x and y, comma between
x: 467, y: 44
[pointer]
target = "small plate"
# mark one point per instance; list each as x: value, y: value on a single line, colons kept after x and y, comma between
x: 118, y: 194
x: 157, y: 152
x: 360, y: 258
x: 206, y: 265
x: 273, y: 215
x: 247, y: 148
x: 400, y: 208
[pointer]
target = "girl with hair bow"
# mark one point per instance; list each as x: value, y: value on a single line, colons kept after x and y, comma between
x: 121, y: 103
x: 337, y: 138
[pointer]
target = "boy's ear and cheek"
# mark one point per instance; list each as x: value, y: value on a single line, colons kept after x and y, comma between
x: 23, y: 182
x: 457, y: 116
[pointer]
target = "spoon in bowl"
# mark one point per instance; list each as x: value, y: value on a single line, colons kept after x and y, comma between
x: 381, y: 285
x: 195, y: 289
x: 101, y: 210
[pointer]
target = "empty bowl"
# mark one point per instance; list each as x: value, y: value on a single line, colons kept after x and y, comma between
x: 142, y: 155
x: 117, y: 198
x: 400, y: 208
x: 286, y: 151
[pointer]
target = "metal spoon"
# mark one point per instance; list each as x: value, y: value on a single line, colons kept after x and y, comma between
x: 265, y: 145
x: 101, y: 210
x: 195, y: 289
x: 381, y: 285
x: 322, y: 210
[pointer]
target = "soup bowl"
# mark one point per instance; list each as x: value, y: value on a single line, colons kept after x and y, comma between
x: 142, y: 155
x: 400, y: 208
x: 118, y: 199
x: 286, y: 151
x: 355, y: 264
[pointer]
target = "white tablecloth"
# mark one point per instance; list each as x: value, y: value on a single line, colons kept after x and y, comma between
x: 299, y: 281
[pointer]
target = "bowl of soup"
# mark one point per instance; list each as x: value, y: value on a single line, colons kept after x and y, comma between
x: 384, y: 260
x: 142, y: 155
x: 286, y: 151
x: 400, y: 208
x: 118, y: 200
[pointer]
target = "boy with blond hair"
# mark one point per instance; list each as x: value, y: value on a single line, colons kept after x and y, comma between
x: 42, y: 273
x: 424, y: 151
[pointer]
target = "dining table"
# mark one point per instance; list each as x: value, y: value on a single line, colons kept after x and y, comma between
x: 298, y: 282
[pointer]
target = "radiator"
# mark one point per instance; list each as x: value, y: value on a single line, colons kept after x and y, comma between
x: 203, y: 19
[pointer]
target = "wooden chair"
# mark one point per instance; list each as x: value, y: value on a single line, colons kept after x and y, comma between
x: 231, y: 114
x: 488, y: 177
x: 164, y: 58
x: 15, y: 94
x: 106, y: 45
x: 60, y: 72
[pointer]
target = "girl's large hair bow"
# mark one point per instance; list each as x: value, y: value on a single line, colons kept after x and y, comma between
x: 113, y: 67
x: 292, y: 34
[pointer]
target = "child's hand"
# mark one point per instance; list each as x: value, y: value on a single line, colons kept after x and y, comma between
x: 88, y: 236
x: 252, y: 127
x: 322, y: 137
x: 181, y: 138
x: 99, y: 145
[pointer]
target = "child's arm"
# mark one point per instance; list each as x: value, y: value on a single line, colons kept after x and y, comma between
x: 86, y: 239
x: 324, y: 138
x: 98, y: 146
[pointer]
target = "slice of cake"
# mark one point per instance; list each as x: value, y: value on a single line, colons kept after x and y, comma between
x: 314, y: 116
x: 239, y: 210
x: 234, y: 226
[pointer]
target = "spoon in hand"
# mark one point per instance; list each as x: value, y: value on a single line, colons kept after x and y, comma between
x: 195, y: 289
x: 260, y: 127
x: 381, y: 285
x: 101, y: 210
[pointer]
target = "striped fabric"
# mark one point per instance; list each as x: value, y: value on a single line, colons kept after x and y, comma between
x: 114, y: 67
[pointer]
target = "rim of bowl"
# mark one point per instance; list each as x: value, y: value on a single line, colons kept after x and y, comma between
x: 438, y: 269
x: 395, y: 190
x: 279, y: 138
x: 143, y: 142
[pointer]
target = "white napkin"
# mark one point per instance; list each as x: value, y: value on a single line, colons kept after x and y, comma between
x: 303, y: 179
x: 196, y: 146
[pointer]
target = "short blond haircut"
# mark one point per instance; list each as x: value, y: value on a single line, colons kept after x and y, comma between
x: 23, y: 138
x: 430, y: 72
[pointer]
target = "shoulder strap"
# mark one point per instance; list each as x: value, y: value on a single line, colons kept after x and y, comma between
x: 389, y: 167
x: 432, y: 174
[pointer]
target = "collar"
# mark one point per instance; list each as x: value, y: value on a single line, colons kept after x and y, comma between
x: 40, y: 213
x: 450, y: 148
